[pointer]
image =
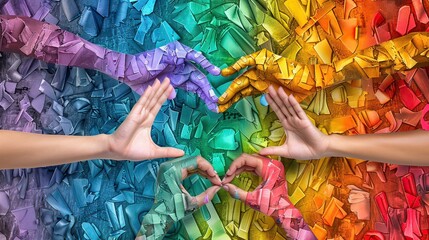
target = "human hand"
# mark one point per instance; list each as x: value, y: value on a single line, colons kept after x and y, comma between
x: 172, y: 201
x: 177, y: 62
x: 271, y: 196
x: 132, y: 140
x: 266, y: 69
x: 303, y: 139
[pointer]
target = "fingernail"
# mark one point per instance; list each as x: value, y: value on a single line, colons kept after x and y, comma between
x: 226, y: 188
x: 236, y: 196
x: 263, y: 101
x: 172, y: 95
x: 216, y: 71
x: 206, y: 199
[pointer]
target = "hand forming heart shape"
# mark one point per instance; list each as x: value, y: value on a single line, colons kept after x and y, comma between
x: 271, y: 196
x: 172, y: 201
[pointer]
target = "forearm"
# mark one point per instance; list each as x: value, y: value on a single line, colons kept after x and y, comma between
x: 303, y: 79
x: 399, y: 54
x: 289, y: 217
x: 408, y: 148
x: 294, y: 225
x: 27, y: 150
x: 154, y: 227
x: 171, y: 204
x: 51, y: 44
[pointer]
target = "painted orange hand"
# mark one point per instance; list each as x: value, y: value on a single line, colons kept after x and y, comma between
x: 266, y: 68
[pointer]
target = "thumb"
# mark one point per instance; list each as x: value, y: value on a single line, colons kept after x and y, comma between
x: 277, y: 151
x: 207, y: 195
x: 168, y: 152
x: 228, y: 71
x: 235, y: 192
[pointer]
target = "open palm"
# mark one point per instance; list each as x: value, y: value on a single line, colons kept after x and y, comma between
x: 303, y: 139
x: 132, y: 140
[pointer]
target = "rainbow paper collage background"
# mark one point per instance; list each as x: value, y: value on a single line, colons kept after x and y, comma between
x: 340, y: 198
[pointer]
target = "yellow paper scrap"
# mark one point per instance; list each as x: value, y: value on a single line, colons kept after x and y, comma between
x: 324, y: 51
x: 339, y: 95
x: 296, y: 196
x: 292, y: 50
x: 319, y: 232
x: 297, y: 10
x: 339, y: 124
x: 348, y: 26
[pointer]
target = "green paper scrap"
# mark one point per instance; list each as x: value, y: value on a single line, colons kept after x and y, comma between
x: 186, y: 114
x: 218, y: 163
x: 224, y: 140
x: 164, y: 34
x: 186, y: 132
x: 187, y: 20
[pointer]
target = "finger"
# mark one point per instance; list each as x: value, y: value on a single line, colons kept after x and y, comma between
x: 235, y: 192
x: 199, y: 58
x: 192, y: 87
x: 201, y: 80
x: 213, y: 107
x: 167, y: 152
x: 176, y: 79
x: 243, y: 62
x: 275, y: 108
x: 243, y: 160
x: 150, y: 97
x: 172, y: 95
x: 204, y: 90
x: 298, y: 109
x: 142, y: 102
x: 160, y: 95
x: 155, y: 89
x: 207, y: 195
x: 161, y: 100
x: 285, y: 103
x: 172, y: 78
x: 189, y: 86
x: 223, y: 107
x: 249, y: 91
x: 207, y: 168
x: 238, y: 172
x: 240, y: 83
x: 184, y: 190
x: 275, y: 151
x: 186, y: 173
x: 279, y: 103
x: 245, y: 169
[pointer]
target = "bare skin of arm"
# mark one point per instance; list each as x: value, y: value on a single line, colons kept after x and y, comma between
x: 131, y: 141
x: 305, y: 141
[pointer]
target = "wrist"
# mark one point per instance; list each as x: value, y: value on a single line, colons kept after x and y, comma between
x: 106, y: 146
x: 334, y: 142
